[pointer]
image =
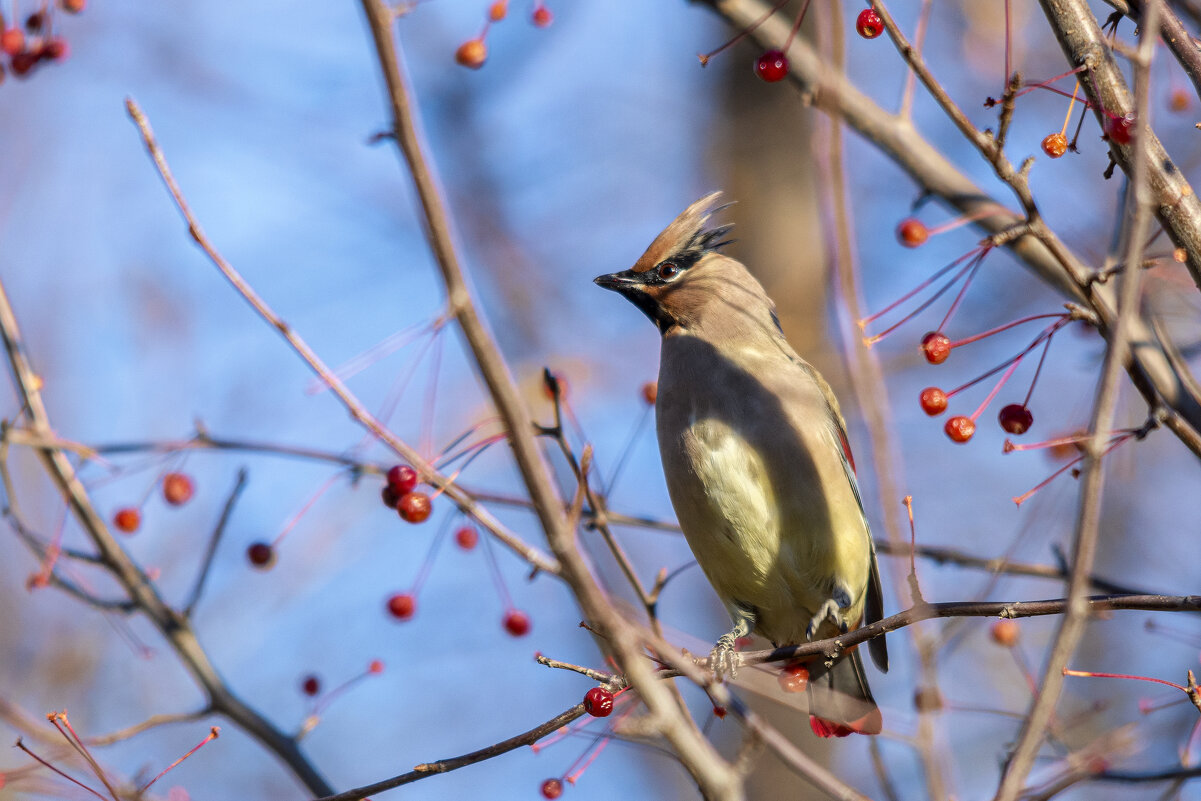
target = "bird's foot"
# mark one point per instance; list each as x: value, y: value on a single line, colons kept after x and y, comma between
x: 829, y: 611
x: 723, y: 659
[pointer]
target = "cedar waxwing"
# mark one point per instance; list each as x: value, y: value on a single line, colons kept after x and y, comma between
x: 757, y: 463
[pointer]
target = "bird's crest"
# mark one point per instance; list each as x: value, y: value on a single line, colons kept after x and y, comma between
x: 687, y: 239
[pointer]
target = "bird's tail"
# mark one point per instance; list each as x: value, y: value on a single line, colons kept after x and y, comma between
x: 840, y: 701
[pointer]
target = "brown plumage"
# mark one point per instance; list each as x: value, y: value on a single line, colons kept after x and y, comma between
x: 757, y: 464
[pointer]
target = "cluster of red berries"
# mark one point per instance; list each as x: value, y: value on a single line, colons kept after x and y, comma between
x: 34, y: 43
x: 400, y: 494
x: 178, y: 489
x: 474, y: 52
x: 1014, y: 418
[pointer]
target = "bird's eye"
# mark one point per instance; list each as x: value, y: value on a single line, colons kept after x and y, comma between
x: 668, y: 269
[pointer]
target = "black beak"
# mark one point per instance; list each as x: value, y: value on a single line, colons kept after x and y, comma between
x: 618, y: 282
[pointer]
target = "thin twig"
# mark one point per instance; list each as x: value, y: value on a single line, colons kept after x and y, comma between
x: 427, y: 769
x: 214, y: 540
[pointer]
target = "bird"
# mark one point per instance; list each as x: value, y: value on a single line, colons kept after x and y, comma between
x: 758, y: 466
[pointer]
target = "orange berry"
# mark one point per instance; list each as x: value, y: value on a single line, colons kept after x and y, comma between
x: 1179, y: 101
x: 542, y: 17
x: 936, y: 346
x: 127, y: 520
x: 177, y: 489
x: 414, y: 507
x: 793, y: 678
x: 1055, y: 145
x: 1004, y: 632
x: 912, y: 232
x: 472, y: 53
x: 933, y: 401
x: 960, y: 429
x: 498, y: 10
x: 650, y: 392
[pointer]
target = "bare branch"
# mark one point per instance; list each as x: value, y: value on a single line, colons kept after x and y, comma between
x: 214, y: 540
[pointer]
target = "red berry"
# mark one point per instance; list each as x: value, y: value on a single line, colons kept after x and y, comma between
x: 936, y: 346
x: 1015, y: 418
x: 517, y: 623
x: 389, y: 497
x: 466, y: 537
x: 73, y: 6
x: 261, y: 555
x: 1055, y: 145
x: 719, y: 711
x: 598, y: 702
x: 868, y: 24
x: 498, y: 10
x: 960, y: 429
x: 35, y: 21
x: 23, y: 62
x: 375, y: 667
x: 934, y: 401
x: 1120, y: 129
x: 912, y: 232
x: 311, y: 685
x: 552, y: 788
x: 402, y: 606
x: 12, y: 41
x: 650, y: 392
x: 177, y: 489
x: 1005, y: 633
x: 542, y: 17
x: 414, y: 507
x: 127, y: 520
x: 55, y: 49
x: 772, y: 66
x: 472, y: 53
x: 793, y: 678
x: 402, y: 479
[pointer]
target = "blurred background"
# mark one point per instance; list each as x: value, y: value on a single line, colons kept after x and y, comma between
x: 561, y: 159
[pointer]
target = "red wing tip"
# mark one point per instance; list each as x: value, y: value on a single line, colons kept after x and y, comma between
x: 871, y: 723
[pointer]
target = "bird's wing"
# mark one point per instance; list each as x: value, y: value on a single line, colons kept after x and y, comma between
x: 873, y: 609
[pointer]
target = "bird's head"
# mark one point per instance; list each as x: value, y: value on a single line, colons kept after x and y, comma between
x: 682, y: 276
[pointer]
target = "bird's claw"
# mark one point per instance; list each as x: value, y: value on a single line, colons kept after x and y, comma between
x: 723, y: 659
x: 827, y: 611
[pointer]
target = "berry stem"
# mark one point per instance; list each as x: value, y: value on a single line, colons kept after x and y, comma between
x: 926, y: 304
x: 1026, y: 495
x: 498, y: 578
x: 1045, y: 334
x: 1037, y: 371
x: 1067, y: 117
x: 796, y: 26
x: 1090, y: 674
x: 943, y: 271
x: 431, y: 399
x: 951, y: 225
x: 1008, y: 374
x: 635, y: 434
x: 704, y: 57
x: 291, y: 524
x: 329, y: 697
x: 214, y: 732
x: 971, y: 273
x: 427, y: 564
x: 1005, y: 327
